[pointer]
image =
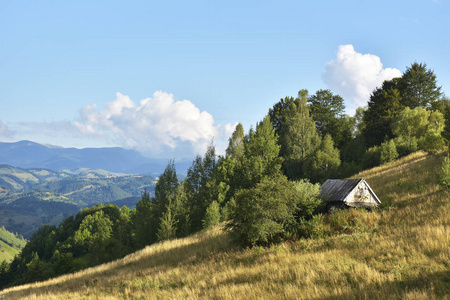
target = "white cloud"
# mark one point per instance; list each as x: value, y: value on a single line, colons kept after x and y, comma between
x: 158, y: 126
x: 355, y: 75
x: 5, y: 132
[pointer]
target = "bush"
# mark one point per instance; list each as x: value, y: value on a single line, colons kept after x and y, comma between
x: 212, y: 215
x: 444, y: 175
x: 388, y: 152
x: 269, y: 212
x: 372, y: 157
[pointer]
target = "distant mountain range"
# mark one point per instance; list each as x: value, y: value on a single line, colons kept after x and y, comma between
x: 27, y: 154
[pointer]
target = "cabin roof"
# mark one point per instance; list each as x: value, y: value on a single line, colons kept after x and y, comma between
x: 338, y: 189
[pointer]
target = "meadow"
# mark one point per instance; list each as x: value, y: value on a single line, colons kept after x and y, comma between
x: 403, y: 254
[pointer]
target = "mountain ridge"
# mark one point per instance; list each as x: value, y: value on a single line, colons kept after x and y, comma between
x: 28, y: 154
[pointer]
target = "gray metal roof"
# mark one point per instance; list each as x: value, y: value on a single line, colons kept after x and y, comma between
x: 337, y: 189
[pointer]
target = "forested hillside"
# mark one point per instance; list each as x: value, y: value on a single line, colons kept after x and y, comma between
x: 29, y: 198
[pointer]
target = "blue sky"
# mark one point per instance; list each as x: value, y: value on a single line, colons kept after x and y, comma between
x: 164, y: 77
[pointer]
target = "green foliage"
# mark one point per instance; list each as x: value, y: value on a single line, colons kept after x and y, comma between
x: 261, y: 154
x: 212, y: 215
x: 372, y: 157
x: 420, y: 125
x: 299, y: 139
x: 167, y: 226
x: 444, y: 174
x: 201, y: 188
x: 418, y: 86
x: 37, y: 270
x: 142, y: 218
x: 327, y: 110
x: 324, y: 163
x: 388, y: 152
x: 384, y: 105
x: 270, y: 211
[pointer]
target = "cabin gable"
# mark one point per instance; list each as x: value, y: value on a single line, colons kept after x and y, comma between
x: 350, y: 193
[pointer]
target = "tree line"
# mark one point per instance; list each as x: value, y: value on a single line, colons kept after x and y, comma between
x: 266, y: 186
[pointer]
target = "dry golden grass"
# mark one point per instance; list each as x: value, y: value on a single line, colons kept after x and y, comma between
x: 406, y: 255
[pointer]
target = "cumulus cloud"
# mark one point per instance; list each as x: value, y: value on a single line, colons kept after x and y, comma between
x: 5, y: 132
x: 157, y: 126
x: 355, y: 75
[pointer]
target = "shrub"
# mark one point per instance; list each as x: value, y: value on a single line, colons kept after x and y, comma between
x: 270, y: 211
x: 388, y: 152
x: 444, y: 174
x: 212, y: 215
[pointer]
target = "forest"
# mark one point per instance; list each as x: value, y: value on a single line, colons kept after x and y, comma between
x: 265, y: 188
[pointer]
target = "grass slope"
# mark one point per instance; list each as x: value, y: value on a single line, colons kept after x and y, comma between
x: 406, y: 255
x: 10, y: 244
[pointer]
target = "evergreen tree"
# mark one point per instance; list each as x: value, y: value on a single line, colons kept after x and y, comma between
x: 418, y: 87
x: 143, y: 224
x: 165, y: 189
x: 384, y: 106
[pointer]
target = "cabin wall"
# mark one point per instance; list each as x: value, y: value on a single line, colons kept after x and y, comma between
x: 361, y: 197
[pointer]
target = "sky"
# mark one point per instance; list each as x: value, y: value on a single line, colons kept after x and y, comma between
x: 166, y: 77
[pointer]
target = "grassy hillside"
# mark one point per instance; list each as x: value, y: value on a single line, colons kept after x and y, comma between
x: 405, y: 254
x: 10, y: 244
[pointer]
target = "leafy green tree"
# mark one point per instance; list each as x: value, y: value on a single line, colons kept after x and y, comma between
x: 278, y: 112
x: 418, y: 87
x: 261, y: 151
x: 372, y: 157
x: 299, y: 139
x: 212, y: 215
x: 388, y: 152
x: 327, y: 110
x: 95, y: 230
x: 421, y: 126
x: 199, y: 186
x: 37, y: 270
x: 264, y: 212
x: 270, y: 211
x: 122, y: 230
x: 167, y: 226
x: 324, y: 163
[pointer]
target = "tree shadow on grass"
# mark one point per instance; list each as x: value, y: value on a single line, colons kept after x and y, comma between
x: 139, y: 264
x: 434, y: 285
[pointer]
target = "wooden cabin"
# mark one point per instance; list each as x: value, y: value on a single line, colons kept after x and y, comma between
x: 344, y: 193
